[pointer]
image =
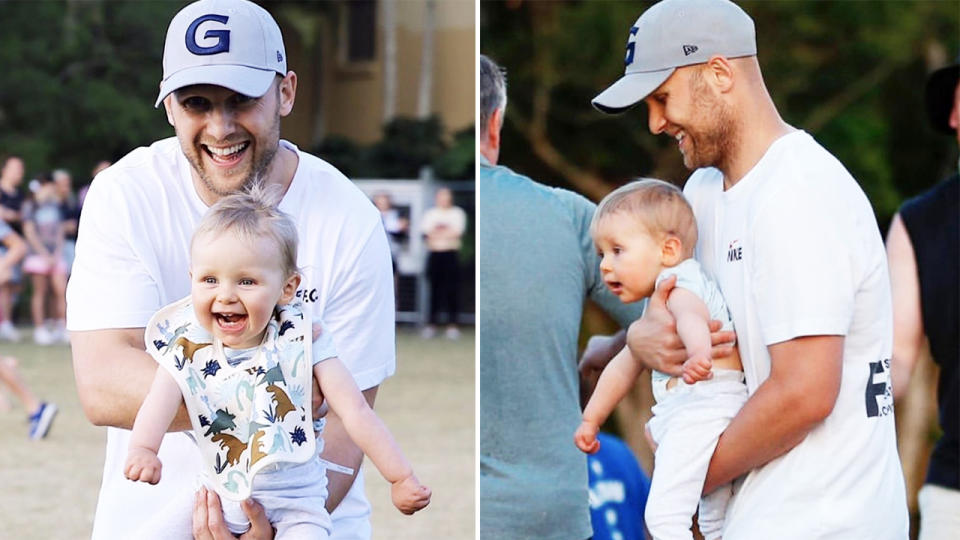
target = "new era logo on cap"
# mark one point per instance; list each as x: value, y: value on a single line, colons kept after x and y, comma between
x: 673, y: 34
x: 231, y: 43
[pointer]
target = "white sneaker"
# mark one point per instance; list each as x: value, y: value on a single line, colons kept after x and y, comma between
x: 42, y: 336
x: 453, y: 333
x: 9, y: 332
x: 428, y: 332
x: 60, y: 333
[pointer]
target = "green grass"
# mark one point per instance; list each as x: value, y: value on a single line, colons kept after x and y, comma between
x: 50, y: 487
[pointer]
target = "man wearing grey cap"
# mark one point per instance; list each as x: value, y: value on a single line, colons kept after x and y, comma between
x: 225, y: 87
x: 792, y: 241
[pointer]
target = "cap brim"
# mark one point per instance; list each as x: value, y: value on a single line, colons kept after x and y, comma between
x: 244, y: 80
x: 629, y: 90
x: 940, y: 91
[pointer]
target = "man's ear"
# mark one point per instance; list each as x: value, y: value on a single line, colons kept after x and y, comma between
x: 671, y: 251
x: 494, y: 125
x: 288, y: 93
x: 719, y: 72
x: 289, y: 289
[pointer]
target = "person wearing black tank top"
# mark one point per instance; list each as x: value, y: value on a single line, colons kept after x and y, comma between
x: 923, y: 249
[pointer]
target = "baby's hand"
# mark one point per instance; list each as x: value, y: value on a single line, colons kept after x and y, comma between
x: 409, y: 495
x: 143, y: 466
x: 697, y: 368
x: 586, y: 437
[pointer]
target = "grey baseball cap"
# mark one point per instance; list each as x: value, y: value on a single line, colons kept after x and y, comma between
x: 672, y: 34
x: 231, y: 43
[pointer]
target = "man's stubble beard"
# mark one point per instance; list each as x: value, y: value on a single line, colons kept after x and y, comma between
x: 257, y: 171
x: 717, y: 140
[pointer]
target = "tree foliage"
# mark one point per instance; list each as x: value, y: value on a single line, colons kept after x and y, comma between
x: 79, y: 79
x: 849, y: 72
x: 407, y: 145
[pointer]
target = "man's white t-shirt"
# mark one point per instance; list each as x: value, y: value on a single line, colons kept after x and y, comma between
x: 133, y: 258
x: 796, y: 250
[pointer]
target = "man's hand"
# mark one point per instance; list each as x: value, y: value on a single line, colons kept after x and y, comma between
x: 653, y: 338
x: 598, y: 353
x: 208, y: 521
x: 586, y: 437
x: 143, y: 465
x: 409, y: 495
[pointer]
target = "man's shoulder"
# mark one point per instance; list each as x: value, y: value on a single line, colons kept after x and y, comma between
x: 142, y: 182
x: 325, y: 191
x: 144, y: 165
x: 505, y: 182
x: 316, y: 166
x: 807, y: 166
x: 943, y: 194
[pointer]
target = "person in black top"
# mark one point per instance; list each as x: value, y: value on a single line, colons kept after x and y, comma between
x: 11, y: 206
x: 923, y: 248
x: 11, y: 198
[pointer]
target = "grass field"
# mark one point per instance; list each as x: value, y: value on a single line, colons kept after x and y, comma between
x: 50, y: 486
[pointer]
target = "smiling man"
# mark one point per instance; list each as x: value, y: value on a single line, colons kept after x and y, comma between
x: 225, y: 87
x: 793, y: 243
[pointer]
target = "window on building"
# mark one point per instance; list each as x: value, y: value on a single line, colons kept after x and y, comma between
x: 361, y: 30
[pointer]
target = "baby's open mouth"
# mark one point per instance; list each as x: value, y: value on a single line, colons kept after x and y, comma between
x: 230, y: 320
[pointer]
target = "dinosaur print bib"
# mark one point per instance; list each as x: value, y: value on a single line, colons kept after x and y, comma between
x: 248, y: 416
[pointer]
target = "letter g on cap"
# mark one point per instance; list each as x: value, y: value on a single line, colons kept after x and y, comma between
x: 222, y: 36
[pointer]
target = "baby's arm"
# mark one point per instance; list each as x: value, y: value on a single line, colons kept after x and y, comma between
x: 153, y: 419
x: 370, y: 434
x: 615, y: 382
x: 693, y: 319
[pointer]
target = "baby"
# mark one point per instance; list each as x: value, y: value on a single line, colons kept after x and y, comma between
x: 237, y: 351
x: 646, y: 232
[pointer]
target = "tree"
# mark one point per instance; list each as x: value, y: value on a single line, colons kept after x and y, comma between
x: 78, y: 88
x: 850, y: 73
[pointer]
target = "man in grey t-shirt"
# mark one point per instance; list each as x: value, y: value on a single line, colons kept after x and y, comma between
x: 537, y: 265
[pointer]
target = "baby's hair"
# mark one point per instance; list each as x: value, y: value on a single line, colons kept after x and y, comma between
x: 253, y: 213
x: 658, y: 205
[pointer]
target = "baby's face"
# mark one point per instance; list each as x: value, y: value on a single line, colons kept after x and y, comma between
x: 235, y: 285
x: 631, y: 256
